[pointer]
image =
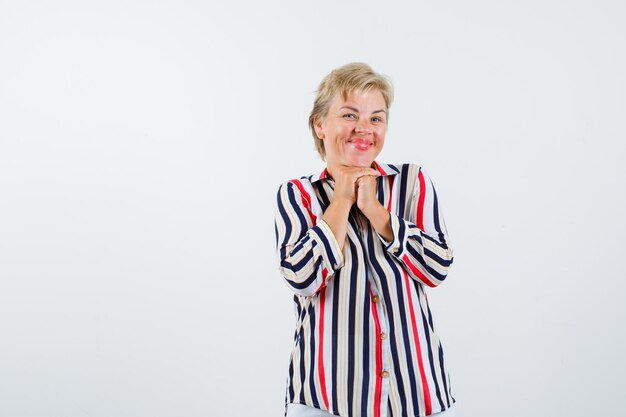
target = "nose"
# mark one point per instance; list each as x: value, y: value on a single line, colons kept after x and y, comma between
x: 362, y: 126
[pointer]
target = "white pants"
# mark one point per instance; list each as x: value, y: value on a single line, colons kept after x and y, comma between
x: 299, y: 410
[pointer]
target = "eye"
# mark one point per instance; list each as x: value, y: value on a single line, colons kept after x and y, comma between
x: 349, y: 116
x: 377, y: 119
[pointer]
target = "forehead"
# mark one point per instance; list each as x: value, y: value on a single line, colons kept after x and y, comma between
x: 371, y: 98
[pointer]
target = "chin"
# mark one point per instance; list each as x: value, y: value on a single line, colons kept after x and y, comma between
x: 361, y: 161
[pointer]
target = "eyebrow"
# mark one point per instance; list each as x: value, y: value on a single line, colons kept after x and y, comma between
x: 356, y: 111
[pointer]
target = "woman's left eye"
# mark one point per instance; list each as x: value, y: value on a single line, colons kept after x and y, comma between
x: 377, y: 119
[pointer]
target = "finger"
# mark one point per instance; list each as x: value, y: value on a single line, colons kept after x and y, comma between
x: 369, y: 177
x: 365, y: 180
x: 367, y: 170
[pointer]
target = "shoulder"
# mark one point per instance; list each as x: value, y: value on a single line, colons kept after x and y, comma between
x: 301, y: 185
x: 414, y: 168
x: 408, y: 170
x: 414, y: 178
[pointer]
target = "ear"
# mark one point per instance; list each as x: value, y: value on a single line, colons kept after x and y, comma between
x: 319, y: 130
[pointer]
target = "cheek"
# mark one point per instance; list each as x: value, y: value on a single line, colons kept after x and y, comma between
x: 343, y: 129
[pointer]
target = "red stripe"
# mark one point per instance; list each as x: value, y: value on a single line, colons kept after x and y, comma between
x: 417, y: 346
x: 379, y: 359
x: 324, y: 275
x: 420, y: 202
x: 320, y: 352
x: 391, y: 177
x: 306, y: 200
x: 416, y: 271
x: 323, y: 174
x: 379, y: 168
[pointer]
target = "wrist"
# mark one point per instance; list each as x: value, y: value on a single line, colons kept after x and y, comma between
x: 341, y: 204
x: 373, y: 210
x: 380, y: 219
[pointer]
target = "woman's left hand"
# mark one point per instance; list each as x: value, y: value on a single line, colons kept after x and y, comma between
x: 370, y: 206
x: 366, y: 194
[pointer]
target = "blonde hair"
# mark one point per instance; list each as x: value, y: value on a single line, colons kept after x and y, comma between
x: 354, y: 77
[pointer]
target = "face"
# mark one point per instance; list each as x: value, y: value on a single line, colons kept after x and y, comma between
x: 354, y: 129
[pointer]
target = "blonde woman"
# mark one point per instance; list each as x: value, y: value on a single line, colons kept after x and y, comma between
x: 358, y: 243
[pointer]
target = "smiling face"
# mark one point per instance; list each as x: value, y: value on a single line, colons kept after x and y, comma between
x: 354, y: 129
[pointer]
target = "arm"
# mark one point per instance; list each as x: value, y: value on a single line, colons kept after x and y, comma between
x: 307, y: 250
x: 421, y: 242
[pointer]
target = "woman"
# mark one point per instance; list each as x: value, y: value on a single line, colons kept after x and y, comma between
x: 357, y: 243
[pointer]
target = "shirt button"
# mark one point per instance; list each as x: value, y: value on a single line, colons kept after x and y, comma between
x: 376, y: 298
x: 384, y: 374
x: 383, y: 336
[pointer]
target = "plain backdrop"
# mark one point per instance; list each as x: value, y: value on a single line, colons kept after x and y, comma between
x: 142, y: 144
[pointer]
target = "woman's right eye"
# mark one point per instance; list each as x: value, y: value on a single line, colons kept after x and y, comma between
x: 349, y: 116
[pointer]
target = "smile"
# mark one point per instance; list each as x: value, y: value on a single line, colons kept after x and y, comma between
x: 361, y: 144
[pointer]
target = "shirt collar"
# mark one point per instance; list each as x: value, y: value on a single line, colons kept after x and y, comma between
x: 384, y: 169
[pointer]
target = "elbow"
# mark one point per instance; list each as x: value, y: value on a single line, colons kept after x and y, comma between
x: 302, y: 283
x: 431, y: 273
x: 438, y: 270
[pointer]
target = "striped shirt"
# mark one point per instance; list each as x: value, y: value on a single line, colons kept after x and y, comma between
x: 365, y: 341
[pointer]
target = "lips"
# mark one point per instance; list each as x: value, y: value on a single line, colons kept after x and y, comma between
x: 361, y: 144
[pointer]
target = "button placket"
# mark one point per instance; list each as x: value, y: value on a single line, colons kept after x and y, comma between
x: 385, y: 374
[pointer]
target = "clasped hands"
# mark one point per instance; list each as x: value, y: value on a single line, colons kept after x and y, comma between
x: 357, y: 185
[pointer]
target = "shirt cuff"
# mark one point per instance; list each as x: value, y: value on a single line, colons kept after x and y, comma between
x: 398, y: 232
x: 322, y: 233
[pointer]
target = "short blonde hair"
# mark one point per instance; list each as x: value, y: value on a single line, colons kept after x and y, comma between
x: 354, y: 77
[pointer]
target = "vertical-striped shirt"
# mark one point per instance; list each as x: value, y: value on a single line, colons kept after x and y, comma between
x: 364, y: 336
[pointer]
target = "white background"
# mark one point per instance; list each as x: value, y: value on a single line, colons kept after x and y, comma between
x: 142, y: 144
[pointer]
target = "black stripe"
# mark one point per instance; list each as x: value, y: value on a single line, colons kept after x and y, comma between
x: 299, y: 313
x: 418, y: 289
x: 402, y: 209
x: 366, y: 351
x: 302, y: 368
x: 283, y: 214
x: 445, y: 377
x: 381, y: 190
x: 394, y: 168
x: 304, y: 225
x: 312, y: 355
x: 327, y: 247
x: 435, y: 241
x: 418, y: 257
x: 322, y: 195
x: 335, y: 285
x: 302, y: 262
x: 440, y: 352
x: 309, y: 280
x: 401, y: 233
x: 290, y: 395
x: 432, y: 255
x: 298, y: 246
x: 442, y: 238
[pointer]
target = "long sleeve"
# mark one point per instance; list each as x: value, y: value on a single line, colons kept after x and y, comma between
x: 307, y: 250
x: 420, y: 241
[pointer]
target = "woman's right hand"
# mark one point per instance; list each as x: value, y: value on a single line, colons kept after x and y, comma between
x: 345, y: 178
